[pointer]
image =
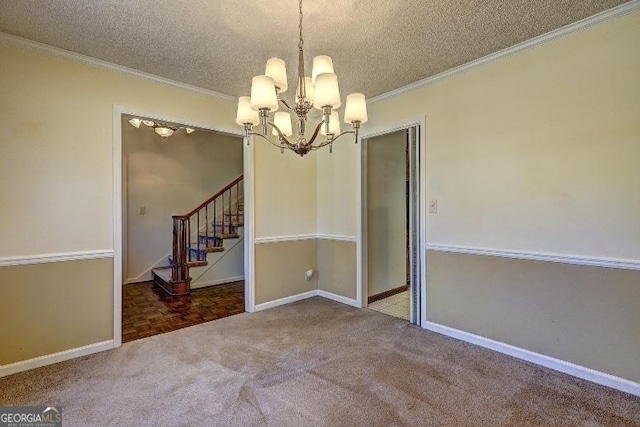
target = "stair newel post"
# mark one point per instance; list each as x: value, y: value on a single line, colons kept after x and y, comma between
x: 215, y: 229
x: 180, y: 269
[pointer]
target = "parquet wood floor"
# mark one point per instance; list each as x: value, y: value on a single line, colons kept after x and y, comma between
x: 147, y: 310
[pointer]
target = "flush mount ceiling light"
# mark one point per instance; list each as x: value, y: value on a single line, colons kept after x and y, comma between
x: 162, y: 129
x: 319, y: 91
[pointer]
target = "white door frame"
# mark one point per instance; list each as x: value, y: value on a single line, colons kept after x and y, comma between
x: 361, y: 269
x: 249, y: 209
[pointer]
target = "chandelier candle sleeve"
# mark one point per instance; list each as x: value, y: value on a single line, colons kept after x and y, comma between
x: 334, y: 126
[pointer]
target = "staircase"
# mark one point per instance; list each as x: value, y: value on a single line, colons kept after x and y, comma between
x: 200, y: 232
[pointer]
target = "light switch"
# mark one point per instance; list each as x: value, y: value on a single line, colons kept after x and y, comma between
x: 433, y: 206
x: 142, y: 210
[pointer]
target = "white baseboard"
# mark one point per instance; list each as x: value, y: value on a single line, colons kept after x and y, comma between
x: 50, y: 359
x: 540, y: 359
x: 217, y: 282
x: 339, y: 298
x: 286, y: 300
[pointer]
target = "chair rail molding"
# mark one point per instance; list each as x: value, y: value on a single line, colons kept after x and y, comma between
x: 55, y: 257
x: 624, y: 264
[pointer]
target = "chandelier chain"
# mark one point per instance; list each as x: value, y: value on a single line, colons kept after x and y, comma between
x: 301, y: 42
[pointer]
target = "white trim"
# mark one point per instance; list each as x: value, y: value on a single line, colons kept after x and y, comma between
x: 118, y: 214
x: 290, y: 238
x: 337, y: 237
x: 539, y: 359
x: 286, y: 300
x: 361, y: 220
x: 624, y: 264
x: 50, y: 359
x: 217, y: 282
x: 249, y: 225
x: 104, y: 65
x: 583, y: 24
x: 55, y: 257
x: 339, y: 298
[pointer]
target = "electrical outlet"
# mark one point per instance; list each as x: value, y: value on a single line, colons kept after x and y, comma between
x: 308, y: 275
x: 142, y: 210
x: 433, y: 206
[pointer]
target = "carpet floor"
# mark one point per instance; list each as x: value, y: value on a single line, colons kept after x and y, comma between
x: 313, y: 363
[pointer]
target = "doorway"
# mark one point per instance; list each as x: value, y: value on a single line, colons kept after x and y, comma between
x: 391, y: 226
x: 165, y: 184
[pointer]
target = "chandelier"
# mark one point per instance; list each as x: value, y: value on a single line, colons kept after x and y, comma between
x: 163, y: 129
x: 319, y: 91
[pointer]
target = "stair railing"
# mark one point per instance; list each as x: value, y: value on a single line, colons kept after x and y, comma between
x: 217, y: 207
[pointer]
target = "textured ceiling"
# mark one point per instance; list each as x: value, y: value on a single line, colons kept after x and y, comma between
x: 376, y: 45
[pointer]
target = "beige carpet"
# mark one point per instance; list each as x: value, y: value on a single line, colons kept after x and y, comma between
x: 313, y: 363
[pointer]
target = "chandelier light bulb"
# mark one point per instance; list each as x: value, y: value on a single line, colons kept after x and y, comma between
x: 356, y: 108
x: 321, y: 64
x: 164, y: 132
x: 245, y: 113
x: 282, y: 119
x: 327, y: 93
x: 277, y: 70
x: 263, y: 94
x: 135, y: 122
x: 189, y: 130
x: 149, y: 123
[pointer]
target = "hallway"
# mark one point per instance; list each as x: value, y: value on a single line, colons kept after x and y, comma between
x: 148, y: 310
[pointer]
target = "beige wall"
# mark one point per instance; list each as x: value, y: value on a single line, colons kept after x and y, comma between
x: 337, y: 267
x: 337, y: 188
x: 56, y: 172
x: 170, y: 177
x: 281, y: 266
x: 584, y: 315
x: 56, y: 159
x: 537, y: 151
x: 285, y: 188
x: 386, y: 212
x: 48, y: 308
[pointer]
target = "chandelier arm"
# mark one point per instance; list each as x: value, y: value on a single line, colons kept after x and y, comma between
x: 285, y: 103
x: 268, y: 140
x: 281, y: 136
x: 327, y: 142
x: 315, y: 134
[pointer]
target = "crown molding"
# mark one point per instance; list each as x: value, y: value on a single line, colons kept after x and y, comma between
x: 569, y: 29
x: 104, y: 65
x: 623, y: 264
